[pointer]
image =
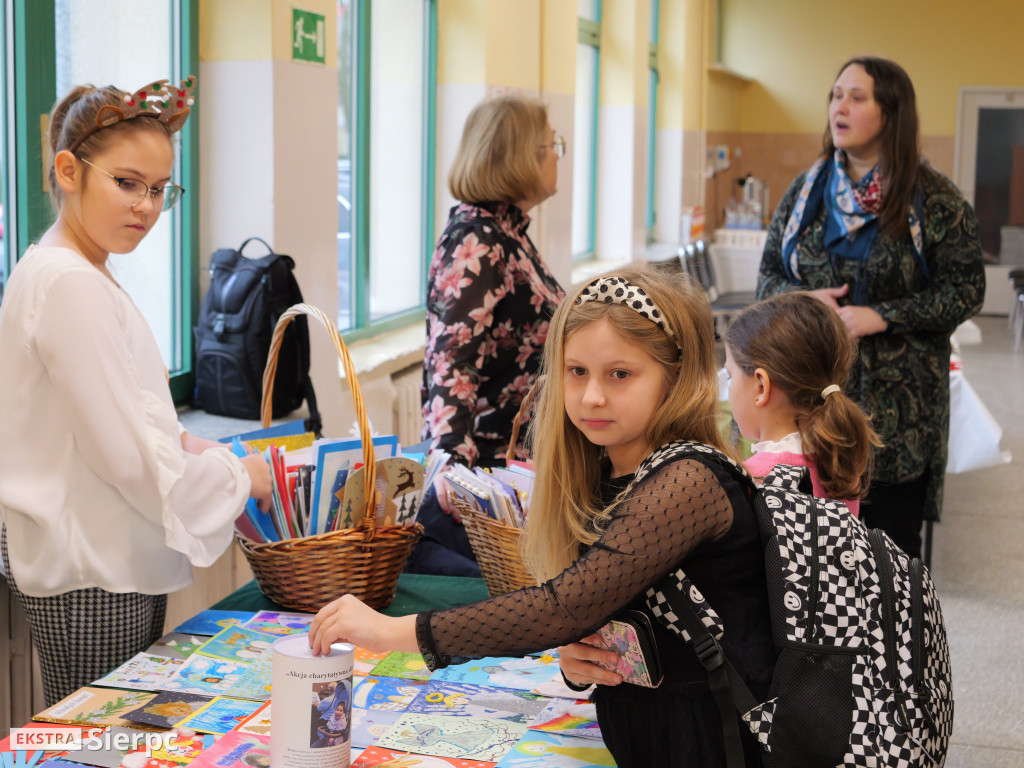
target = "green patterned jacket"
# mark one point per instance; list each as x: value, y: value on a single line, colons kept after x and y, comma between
x: 902, y: 375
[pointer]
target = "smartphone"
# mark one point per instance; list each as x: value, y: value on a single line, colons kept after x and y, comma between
x: 632, y: 638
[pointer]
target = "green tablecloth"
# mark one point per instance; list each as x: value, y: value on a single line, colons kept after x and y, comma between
x: 415, y: 593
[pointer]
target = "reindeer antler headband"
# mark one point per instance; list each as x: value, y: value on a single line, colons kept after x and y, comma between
x: 157, y: 100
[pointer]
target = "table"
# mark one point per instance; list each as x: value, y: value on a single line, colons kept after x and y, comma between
x: 415, y: 592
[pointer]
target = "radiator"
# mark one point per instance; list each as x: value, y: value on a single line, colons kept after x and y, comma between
x: 408, y: 417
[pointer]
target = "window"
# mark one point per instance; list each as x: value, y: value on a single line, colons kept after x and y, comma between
x: 652, y: 118
x: 385, y: 117
x: 5, y: 249
x: 61, y: 43
x: 584, y: 144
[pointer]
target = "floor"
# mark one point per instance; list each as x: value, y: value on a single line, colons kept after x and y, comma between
x: 977, y: 565
x: 978, y: 568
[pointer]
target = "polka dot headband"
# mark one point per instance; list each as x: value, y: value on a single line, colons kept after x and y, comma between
x: 616, y: 290
x: 158, y: 100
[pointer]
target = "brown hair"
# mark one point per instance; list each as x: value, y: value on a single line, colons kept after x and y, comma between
x: 804, y: 347
x: 899, y: 153
x: 75, y: 115
x: 499, y: 155
x: 565, y: 508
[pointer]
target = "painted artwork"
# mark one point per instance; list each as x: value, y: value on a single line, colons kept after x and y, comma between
x: 464, y: 737
x: 368, y: 725
x: 96, y: 706
x: 254, y: 682
x: 549, y: 750
x: 468, y: 700
x: 409, y: 666
x: 238, y: 644
x: 206, y: 675
x: 530, y: 673
x: 220, y: 715
x: 386, y: 693
x: 280, y: 623
x: 211, y: 622
x: 175, y: 645
x: 375, y: 757
x: 364, y: 661
x: 569, y: 718
x: 236, y: 750
x: 166, y: 710
x: 258, y: 722
x: 143, y: 672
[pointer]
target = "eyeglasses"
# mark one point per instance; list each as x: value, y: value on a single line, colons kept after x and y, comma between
x: 134, y: 191
x: 557, y: 145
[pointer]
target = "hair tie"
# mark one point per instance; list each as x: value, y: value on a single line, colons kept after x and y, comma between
x: 617, y: 290
x: 830, y: 389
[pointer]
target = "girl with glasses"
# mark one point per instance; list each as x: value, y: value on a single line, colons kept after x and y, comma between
x: 105, y: 500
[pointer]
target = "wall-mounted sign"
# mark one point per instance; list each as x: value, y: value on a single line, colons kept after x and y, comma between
x: 308, y: 42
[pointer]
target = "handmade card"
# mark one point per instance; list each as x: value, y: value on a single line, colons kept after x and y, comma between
x: 467, y: 700
x: 238, y: 643
x: 375, y: 757
x: 258, y: 721
x: 220, y: 715
x: 185, y: 748
x: 530, y: 673
x: 409, y: 666
x: 166, y: 710
x: 333, y: 455
x: 109, y: 747
x: 280, y: 623
x: 469, y: 738
x: 366, y: 660
x: 96, y: 706
x: 206, y: 675
x: 368, y: 725
x: 568, y: 718
x: 210, y: 622
x: 386, y: 693
x: 400, y: 482
x: 175, y: 645
x: 143, y: 672
x: 236, y: 750
x: 548, y: 750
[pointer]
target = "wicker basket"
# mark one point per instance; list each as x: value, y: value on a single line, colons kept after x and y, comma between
x: 496, y: 544
x: 307, y: 573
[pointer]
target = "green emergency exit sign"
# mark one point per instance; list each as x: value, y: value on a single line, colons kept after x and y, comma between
x: 308, y: 36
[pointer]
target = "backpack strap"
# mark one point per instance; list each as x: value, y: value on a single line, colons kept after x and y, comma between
x: 679, y: 605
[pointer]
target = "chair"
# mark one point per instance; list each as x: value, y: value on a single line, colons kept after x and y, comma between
x: 695, y: 261
x: 1016, y: 321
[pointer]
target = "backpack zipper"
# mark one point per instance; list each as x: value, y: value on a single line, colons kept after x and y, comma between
x: 812, y: 592
x: 885, y: 576
x: 917, y: 630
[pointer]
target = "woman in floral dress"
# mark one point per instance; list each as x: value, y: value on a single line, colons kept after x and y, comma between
x: 490, y: 298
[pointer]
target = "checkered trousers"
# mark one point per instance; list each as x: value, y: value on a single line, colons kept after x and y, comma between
x: 83, y: 634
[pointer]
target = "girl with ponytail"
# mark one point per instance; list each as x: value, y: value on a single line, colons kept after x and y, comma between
x: 789, y: 360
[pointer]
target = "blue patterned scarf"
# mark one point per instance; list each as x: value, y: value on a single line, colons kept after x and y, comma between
x: 850, y: 231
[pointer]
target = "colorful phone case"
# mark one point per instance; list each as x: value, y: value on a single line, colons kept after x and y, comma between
x: 632, y: 638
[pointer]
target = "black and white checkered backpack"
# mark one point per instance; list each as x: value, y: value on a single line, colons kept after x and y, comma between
x: 863, y: 675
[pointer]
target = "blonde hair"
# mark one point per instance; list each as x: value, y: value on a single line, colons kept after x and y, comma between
x: 75, y: 115
x: 565, y: 508
x: 499, y: 155
x: 804, y: 347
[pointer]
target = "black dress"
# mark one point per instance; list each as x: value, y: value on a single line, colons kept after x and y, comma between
x: 671, y: 518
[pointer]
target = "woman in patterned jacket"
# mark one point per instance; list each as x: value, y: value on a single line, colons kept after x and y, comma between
x: 892, y: 246
x: 490, y: 299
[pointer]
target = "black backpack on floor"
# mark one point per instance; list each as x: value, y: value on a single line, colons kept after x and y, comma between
x: 236, y: 323
x: 863, y: 677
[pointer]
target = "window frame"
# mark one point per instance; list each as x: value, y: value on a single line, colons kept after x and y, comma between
x: 362, y: 326
x: 589, y: 34
x: 34, y: 78
x: 652, y: 128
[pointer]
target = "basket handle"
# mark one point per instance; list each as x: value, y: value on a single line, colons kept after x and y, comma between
x: 524, y: 408
x: 266, y: 406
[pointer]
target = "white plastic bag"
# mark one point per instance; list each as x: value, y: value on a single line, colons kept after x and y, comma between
x: 974, y: 434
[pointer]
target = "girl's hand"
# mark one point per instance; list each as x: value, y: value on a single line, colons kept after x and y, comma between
x: 578, y: 662
x: 259, y: 477
x: 349, y: 620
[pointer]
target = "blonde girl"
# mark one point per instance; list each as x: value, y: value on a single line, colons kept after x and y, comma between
x: 630, y: 365
x: 106, y: 501
x: 789, y: 360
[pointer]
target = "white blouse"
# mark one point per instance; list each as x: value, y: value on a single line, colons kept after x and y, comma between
x: 95, y: 488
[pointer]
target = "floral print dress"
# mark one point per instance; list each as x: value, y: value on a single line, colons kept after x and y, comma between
x: 490, y: 299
